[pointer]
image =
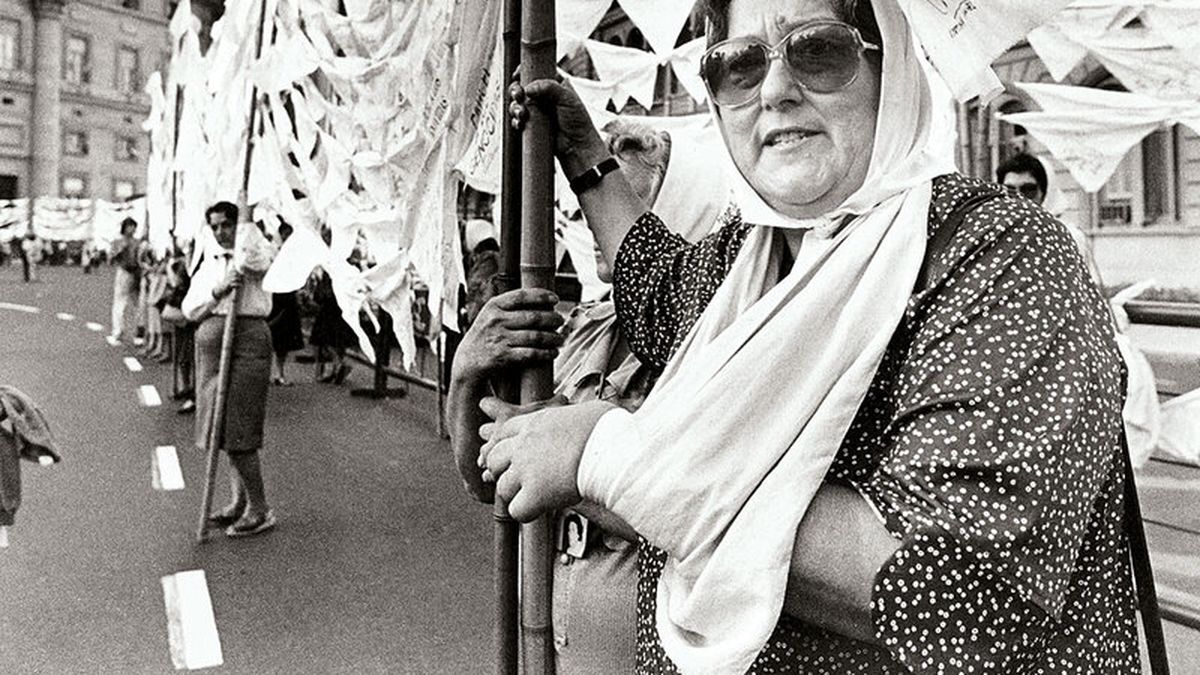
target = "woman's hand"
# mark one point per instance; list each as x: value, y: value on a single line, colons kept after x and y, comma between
x: 534, y: 458
x: 513, y: 329
x: 233, y: 279
x: 577, y: 144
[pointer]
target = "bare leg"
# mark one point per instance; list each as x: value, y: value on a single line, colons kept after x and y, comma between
x: 249, y: 469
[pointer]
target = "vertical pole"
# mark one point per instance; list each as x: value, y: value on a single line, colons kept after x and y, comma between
x: 507, y: 533
x: 216, y: 430
x: 538, y: 61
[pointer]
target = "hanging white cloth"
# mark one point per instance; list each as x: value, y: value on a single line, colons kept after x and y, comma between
x: 632, y: 72
x: 575, y: 21
x: 661, y: 21
x: 1090, y: 130
x: 963, y: 37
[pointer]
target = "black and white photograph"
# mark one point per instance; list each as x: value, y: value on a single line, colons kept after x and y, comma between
x: 600, y: 337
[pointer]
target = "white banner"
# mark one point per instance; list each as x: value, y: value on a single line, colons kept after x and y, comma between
x: 963, y: 37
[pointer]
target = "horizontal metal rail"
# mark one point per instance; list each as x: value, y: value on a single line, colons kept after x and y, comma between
x: 431, y: 385
x: 1179, y: 607
x: 1159, y: 313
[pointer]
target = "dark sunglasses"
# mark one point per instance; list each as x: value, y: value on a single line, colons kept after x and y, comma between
x: 1026, y: 190
x: 822, y: 56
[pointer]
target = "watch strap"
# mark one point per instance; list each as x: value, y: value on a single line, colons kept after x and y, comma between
x: 592, y: 177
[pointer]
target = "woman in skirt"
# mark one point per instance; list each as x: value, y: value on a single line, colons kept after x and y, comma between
x: 207, y: 303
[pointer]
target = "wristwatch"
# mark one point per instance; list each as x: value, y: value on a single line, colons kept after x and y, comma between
x: 592, y: 177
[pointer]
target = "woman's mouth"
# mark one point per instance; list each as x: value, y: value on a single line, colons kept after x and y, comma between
x: 782, y: 138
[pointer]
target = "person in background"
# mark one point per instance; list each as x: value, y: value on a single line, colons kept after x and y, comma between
x: 1025, y: 175
x: 184, y: 331
x: 284, y: 322
x: 208, y: 303
x: 31, y: 255
x: 595, y: 574
x: 124, y: 258
x: 330, y: 335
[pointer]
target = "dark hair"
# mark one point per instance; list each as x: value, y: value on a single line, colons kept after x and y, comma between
x: 128, y: 223
x: 857, y: 13
x: 1024, y: 162
x: 228, y: 209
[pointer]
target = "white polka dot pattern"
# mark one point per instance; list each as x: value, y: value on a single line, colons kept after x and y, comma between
x: 990, y: 441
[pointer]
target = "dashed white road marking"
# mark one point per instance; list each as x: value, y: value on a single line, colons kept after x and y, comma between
x: 3, y: 536
x: 132, y: 364
x: 94, y: 327
x: 191, y: 625
x: 167, y: 474
x: 63, y: 316
x: 112, y: 340
x: 148, y: 395
x: 45, y: 460
x: 20, y: 308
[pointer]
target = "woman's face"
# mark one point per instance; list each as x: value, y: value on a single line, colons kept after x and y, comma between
x: 223, y: 228
x: 802, y: 152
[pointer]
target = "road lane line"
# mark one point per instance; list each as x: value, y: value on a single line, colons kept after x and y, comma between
x: 112, y: 340
x: 148, y: 395
x: 20, y: 308
x: 191, y: 625
x: 3, y: 536
x: 133, y: 364
x: 63, y: 316
x: 94, y: 327
x: 167, y: 474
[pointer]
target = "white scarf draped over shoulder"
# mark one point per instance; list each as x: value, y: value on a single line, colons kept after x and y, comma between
x: 720, y: 464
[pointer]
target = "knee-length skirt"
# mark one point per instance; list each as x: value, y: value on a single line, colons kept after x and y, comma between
x: 249, y: 381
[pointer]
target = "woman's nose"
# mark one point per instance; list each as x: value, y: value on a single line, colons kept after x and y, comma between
x: 779, y: 88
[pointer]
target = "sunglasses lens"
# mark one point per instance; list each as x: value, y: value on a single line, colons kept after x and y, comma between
x: 825, y: 58
x: 1029, y: 190
x: 734, y: 72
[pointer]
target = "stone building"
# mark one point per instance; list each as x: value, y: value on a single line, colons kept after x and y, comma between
x: 71, y: 100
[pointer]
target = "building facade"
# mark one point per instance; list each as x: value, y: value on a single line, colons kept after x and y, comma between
x: 71, y: 99
x: 1144, y: 223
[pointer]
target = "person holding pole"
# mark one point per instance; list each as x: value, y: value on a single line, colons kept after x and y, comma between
x: 124, y: 259
x: 235, y: 263
x: 888, y: 433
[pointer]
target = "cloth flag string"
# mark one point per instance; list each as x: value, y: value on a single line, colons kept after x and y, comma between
x: 660, y: 21
x: 632, y: 73
x: 1152, y: 56
x: 1090, y: 130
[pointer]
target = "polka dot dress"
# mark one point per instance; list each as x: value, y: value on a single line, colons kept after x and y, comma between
x: 990, y: 442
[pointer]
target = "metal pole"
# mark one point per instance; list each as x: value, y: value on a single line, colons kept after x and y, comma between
x: 507, y: 532
x: 538, y: 61
x: 216, y: 429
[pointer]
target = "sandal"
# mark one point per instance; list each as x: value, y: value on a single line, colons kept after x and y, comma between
x: 226, y: 516
x: 248, y: 527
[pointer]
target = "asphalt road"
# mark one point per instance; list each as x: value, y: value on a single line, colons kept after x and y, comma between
x: 379, y: 565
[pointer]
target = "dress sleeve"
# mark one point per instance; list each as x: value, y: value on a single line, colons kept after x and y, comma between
x: 662, y: 283
x: 1003, y: 439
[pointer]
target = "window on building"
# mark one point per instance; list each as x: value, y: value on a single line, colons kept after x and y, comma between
x: 77, y: 62
x: 10, y: 44
x: 123, y: 189
x: 73, y: 186
x: 75, y: 143
x: 8, y: 186
x: 127, y: 70
x: 127, y: 148
x: 132, y: 4
x: 1142, y: 190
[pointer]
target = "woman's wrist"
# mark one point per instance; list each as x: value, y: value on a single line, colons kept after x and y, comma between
x: 583, y: 156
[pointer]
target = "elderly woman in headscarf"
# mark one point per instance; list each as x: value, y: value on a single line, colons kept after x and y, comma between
x: 888, y: 433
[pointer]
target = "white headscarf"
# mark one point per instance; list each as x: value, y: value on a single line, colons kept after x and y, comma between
x: 720, y: 464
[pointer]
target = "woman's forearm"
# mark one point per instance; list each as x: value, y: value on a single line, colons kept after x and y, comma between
x: 611, y: 207
x: 840, y: 547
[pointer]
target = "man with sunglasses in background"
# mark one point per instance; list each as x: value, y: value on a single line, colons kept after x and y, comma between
x: 1024, y: 175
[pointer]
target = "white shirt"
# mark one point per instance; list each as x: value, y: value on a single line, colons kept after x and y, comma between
x: 200, y: 303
